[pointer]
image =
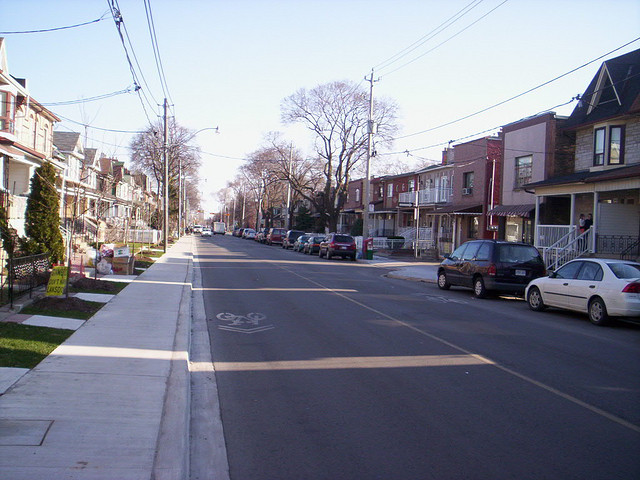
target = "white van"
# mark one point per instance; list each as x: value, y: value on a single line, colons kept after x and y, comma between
x: 218, y: 227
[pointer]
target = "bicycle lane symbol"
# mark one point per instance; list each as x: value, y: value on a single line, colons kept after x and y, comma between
x: 249, y: 323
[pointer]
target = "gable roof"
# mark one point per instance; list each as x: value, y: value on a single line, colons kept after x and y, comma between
x: 614, y: 91
x: 67, y: 141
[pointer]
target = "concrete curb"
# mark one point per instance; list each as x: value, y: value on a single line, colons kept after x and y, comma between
x: 411, y: 279
x: 172, y: 449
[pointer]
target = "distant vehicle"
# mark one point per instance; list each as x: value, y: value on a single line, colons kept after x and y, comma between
x: 491, y: 266
x: 601, y: 288
x: 197, y: 229
x: 249, y: 234
x: 338, y: 245
x: 261, y: 235
x: 275, y: 235
x: 206, y: 231
x: 312, y: 245
x: 219, y: 227
x: 290, y: 237
x: 298, y: 245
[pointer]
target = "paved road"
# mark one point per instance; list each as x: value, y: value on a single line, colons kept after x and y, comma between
x: 328, y: 370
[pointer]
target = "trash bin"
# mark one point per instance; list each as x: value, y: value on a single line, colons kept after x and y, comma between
x: 367, y: 249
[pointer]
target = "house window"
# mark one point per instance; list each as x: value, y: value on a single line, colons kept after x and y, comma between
x: 412, y: 185
x: 357, y: 194
x: 467, y: 183
x: 608, y: 149
x: 616, y: 138
x: 390, y: 190
x: 598, y: 148
x: 523, y: 170
x: 7, y: 112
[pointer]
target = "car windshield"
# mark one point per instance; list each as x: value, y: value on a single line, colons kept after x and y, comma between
x: 625, y: 270
x: 317, y: 239
x: 343, y: 239
x: 518, y: 254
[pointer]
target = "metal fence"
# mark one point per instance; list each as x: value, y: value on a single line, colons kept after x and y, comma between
x: 23, y: 274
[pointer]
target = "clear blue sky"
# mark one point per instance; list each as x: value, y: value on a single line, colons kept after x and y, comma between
x: 230, y: 63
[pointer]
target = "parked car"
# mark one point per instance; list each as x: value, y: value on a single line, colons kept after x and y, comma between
x: 298, y: 245
x: 249, y: 233
x: 601, y: 288
x: 261, y: 235
x: 338, y: 245
x: 197, y: 229
x: 491, y: 266
x: 313, y: 244
x: 206, y: 232
x: 290, y: 237
x: 275, y: 236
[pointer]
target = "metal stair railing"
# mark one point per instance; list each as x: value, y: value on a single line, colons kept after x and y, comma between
x: 631, y: 252
x: 558, y: 254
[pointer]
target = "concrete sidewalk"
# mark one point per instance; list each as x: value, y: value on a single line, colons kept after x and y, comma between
x: 112, y: 402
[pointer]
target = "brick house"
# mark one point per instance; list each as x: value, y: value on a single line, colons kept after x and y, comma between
x: 475, y: 182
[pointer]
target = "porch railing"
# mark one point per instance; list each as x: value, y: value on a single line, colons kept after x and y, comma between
x: 24, y: 274
x: 566, y: 248
x: 549, y: 235
x: 427, y: 196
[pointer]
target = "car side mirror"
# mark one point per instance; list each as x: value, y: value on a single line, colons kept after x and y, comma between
x: 446, y: 256
x: 552, y: 274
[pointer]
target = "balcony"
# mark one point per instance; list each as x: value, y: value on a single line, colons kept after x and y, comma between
x: 427, y: 196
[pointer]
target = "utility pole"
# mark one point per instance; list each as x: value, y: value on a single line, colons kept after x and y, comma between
x: 289, y: 169
x: 367, y: 182
x: 165, y: 236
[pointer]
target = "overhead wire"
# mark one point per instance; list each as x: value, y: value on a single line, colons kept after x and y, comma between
x: 425, y: 38
x: 156, y: 50
x: 518, y: 95
x: 89, y: 99
x: 44, y: 30
x: 447, y: 40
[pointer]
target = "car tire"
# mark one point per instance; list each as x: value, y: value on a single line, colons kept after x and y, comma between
x: 479, y: 290
x: 320, y: 253
x: 534, y: 299
x: 443, y: 283
x: 353, y: 258
x: 328, y: 255
x: 598, y: 312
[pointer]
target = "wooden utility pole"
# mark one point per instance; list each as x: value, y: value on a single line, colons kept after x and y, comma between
x: 371, y: 127
x: 165, y: 230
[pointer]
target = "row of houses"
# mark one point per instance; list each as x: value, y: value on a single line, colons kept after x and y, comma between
x: 97, y: 192
x: 531, y: 182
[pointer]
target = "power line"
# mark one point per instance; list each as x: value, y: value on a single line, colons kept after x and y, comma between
x: 86, y: 125
x: 518, y: 95
x: 422, y: 40
x: 57, y: 28
x: 447, y: 40
x: 156, y: 49
x: 89, y: 99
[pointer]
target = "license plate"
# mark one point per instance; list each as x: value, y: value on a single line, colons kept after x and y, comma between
x: 521, y: 273
x: 343, y: 248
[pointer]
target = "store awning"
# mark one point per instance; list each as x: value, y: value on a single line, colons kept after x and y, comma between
x: 459, y: 210
x: 512, y: 210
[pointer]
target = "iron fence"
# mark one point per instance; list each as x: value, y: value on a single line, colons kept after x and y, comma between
x: 23, y: 274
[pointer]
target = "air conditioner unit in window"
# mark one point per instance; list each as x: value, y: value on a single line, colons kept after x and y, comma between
x: 467, y: 191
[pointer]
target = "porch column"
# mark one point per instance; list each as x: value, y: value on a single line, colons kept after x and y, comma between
x: 594, y: 228
x: 572, y: 215
x: 536, y: 240
x: 455, y: 232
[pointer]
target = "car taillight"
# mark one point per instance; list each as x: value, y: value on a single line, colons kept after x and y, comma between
x: 492, y: 270
x: 332, y: 245
x: 633, y: 287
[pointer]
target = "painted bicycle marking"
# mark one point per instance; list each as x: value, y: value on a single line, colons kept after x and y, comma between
x: 249, y: 323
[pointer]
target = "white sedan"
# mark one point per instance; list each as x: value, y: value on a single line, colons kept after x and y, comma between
x: 602, y: 288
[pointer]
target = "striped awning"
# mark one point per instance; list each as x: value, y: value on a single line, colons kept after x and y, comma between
x: 512, y: 210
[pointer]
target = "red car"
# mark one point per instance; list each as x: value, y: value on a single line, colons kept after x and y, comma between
x: 338, y: 245
x: 275, y: 235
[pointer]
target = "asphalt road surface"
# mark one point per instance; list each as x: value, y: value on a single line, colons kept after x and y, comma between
x: 329, y: 370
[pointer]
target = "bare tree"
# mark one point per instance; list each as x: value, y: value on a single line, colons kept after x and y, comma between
x: 337, y: 113
x: 182, y: 157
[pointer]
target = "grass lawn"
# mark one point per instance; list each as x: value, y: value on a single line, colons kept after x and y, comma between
x: 25, y: 346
